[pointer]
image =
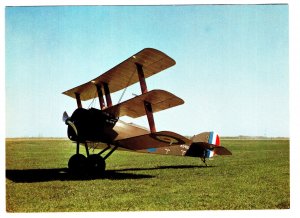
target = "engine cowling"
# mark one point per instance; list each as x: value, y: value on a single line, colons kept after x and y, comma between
x: 91, y: 125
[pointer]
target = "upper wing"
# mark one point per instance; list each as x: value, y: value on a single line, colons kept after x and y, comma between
x: 159, y: 99
x: 123, y: 75
x: 153, y: 140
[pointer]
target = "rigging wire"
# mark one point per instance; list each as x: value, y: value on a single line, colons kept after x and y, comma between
x: 126, y: 86
x: 93, y: 101
x: 122, y: 95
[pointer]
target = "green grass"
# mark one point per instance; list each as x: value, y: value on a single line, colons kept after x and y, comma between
x: 255, y: 177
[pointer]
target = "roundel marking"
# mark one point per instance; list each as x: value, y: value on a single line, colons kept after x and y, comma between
x: 168, y: 139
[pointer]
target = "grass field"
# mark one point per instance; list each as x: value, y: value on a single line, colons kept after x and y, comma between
x: 255, y: 177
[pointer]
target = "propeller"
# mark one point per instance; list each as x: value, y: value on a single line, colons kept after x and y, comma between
x: 65, y: 117
x: 67, y: 121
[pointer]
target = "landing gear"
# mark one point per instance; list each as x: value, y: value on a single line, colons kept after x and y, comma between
x: 77, y: 164
x: 93, y: 164
x: 96, y: 164
x: 203, y: 159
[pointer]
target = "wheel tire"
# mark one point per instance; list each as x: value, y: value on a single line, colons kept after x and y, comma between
x: 77, y: 164
x: 96, y: 165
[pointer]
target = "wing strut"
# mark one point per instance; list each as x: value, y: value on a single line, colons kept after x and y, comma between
x: 147, y: 105
x: 78, y: 100
x: 107, y: 95
x: 142, y: 79
x: 100, y: 96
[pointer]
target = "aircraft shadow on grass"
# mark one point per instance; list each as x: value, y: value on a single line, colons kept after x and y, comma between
x: 62, y: 174
x: 165, y: 167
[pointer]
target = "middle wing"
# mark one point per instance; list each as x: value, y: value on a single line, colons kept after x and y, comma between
x: 153, y: 140
x: 159, y: 99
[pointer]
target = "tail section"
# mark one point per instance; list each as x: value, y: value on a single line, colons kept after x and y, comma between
x: 206, y: 145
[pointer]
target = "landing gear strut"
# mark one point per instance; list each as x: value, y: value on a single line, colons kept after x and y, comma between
x: 93, y: 164
x: 204, y: 160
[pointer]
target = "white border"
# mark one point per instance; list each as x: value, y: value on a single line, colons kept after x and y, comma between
x: 294, y: 59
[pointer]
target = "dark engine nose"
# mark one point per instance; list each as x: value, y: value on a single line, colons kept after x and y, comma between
x: 91, y: 125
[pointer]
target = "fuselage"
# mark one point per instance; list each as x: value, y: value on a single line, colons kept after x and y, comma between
x: 93, y: 125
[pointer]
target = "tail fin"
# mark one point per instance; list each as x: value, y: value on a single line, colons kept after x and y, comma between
x: 214, y: 139
x: 207, y: 137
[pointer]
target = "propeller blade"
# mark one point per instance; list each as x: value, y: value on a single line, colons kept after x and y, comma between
x: 65, y: 117
x: 73, y: 126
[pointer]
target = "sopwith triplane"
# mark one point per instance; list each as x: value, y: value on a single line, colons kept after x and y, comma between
x: 94, y: 127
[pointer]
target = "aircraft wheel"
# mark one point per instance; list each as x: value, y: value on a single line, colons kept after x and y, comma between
x: 96, y: 164
x: 77, y: 163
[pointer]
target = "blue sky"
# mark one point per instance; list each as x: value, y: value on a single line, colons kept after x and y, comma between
x: 231, y: 64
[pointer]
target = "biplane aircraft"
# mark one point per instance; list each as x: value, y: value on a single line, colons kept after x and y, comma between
x: 94, y: 127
